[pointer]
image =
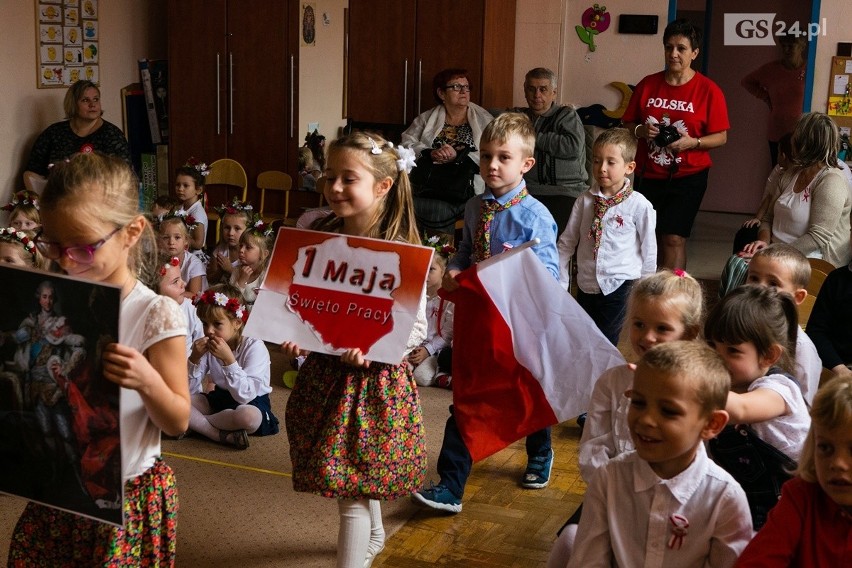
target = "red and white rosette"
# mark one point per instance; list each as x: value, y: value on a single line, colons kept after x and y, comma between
x: 680, y: 526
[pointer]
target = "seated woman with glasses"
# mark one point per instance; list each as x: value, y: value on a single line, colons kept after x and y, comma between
x: 440, y: 131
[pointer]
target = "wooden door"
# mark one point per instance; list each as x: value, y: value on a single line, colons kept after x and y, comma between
x: 449, y: 35
x: 381, y: 61
x: 740, y: 167
x: 261, y: 87
x: 197, y: 80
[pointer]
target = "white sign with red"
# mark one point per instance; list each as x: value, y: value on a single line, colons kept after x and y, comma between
x: 329, y: 293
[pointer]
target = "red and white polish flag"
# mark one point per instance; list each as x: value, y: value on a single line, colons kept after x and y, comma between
x: 526, y: 355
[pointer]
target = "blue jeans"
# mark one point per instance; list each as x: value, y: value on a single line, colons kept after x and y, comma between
x: 607, y: 310
x: 454, y: 461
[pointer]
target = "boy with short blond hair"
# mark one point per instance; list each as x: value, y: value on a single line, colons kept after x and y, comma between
x: 503, y: 217
x: 611, y: 231
x: 667, y: 502
x: 784, y: 267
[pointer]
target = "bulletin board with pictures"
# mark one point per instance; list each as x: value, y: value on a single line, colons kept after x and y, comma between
x: 839, y: 106
x: 67, y: 42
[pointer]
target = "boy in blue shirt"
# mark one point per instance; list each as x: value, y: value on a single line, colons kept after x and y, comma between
x: 501, y: 218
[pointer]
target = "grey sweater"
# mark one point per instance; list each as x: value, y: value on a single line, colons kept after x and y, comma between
x: 560, y: 153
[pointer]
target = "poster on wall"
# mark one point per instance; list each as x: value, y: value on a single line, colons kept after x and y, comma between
x: 67, y: 42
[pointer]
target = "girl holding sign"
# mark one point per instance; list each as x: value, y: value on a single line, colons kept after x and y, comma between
x: 381, y: 455
x: 93, y: 229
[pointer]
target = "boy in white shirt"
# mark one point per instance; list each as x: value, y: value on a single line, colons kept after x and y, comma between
x: 667, y: 504
x: 611, y: 230
x: 785, y: 268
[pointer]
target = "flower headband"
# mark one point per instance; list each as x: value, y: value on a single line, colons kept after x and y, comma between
x: 258, y: 227
x: 222, y: 301
x: 200, y: 167
x: 173, y: 261
x: 440, y: 247
x: 407, y: 158
x: 184, y: 216
x: 22, y: 197
x: 236, y: 206
x: 20, y: 236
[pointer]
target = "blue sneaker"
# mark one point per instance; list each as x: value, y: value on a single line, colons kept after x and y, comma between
x: 438, y: 497
x: 537, y: 475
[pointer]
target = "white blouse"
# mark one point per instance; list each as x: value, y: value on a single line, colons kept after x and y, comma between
x: 246, y: 379
x: 146, y: 319
x: 792, y: 213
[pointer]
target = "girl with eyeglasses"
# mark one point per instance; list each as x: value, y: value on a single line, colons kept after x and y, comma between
x: 93, y: 229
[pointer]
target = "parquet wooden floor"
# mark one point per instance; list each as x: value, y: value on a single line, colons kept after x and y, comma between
x: 501, y: 524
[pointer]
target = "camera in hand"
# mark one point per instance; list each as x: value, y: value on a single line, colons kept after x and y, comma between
x: 666, y: 136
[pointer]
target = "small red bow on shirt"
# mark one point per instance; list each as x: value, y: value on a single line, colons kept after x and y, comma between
x: 679, y: 531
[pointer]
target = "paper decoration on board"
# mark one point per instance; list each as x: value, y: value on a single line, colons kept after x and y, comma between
x: 329, y: 293
x: 68, y: 46
x: 595, y: 20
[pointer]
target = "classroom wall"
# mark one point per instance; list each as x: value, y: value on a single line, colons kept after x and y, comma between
x: 545, y: 36
x: 129, y: 30
x: 321, y: 68
x: 626, y: 58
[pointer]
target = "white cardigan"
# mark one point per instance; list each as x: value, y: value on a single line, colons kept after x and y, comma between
x: 428, y: 125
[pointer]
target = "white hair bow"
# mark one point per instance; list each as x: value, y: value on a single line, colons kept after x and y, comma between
x: 406, y: 159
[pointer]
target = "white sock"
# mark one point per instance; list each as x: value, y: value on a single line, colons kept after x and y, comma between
x: 377, y: 529
x: 353, y: 538
x: 199, y: 423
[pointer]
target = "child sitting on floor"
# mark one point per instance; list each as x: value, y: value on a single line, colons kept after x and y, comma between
x: 238, y: 367
x: 255, y: 250
x: 234, y: 219
x: 785, y: 268
x: 666, y: 306
x: 812, y: 522
x: 667, y: 502
x: 189, y: 189
x: 166, y: 281
x: 162, y: 206
x: 18, y: 247
x: 174, y: 232
x: 754, y: 329
x: 439, y: 315
x: 23, y: 211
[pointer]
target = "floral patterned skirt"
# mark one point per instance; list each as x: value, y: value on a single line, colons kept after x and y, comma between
x: 355, y: 433
x: 49, y: 537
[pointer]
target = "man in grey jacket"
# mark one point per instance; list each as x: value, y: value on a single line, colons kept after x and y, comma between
x: 560, y: 172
